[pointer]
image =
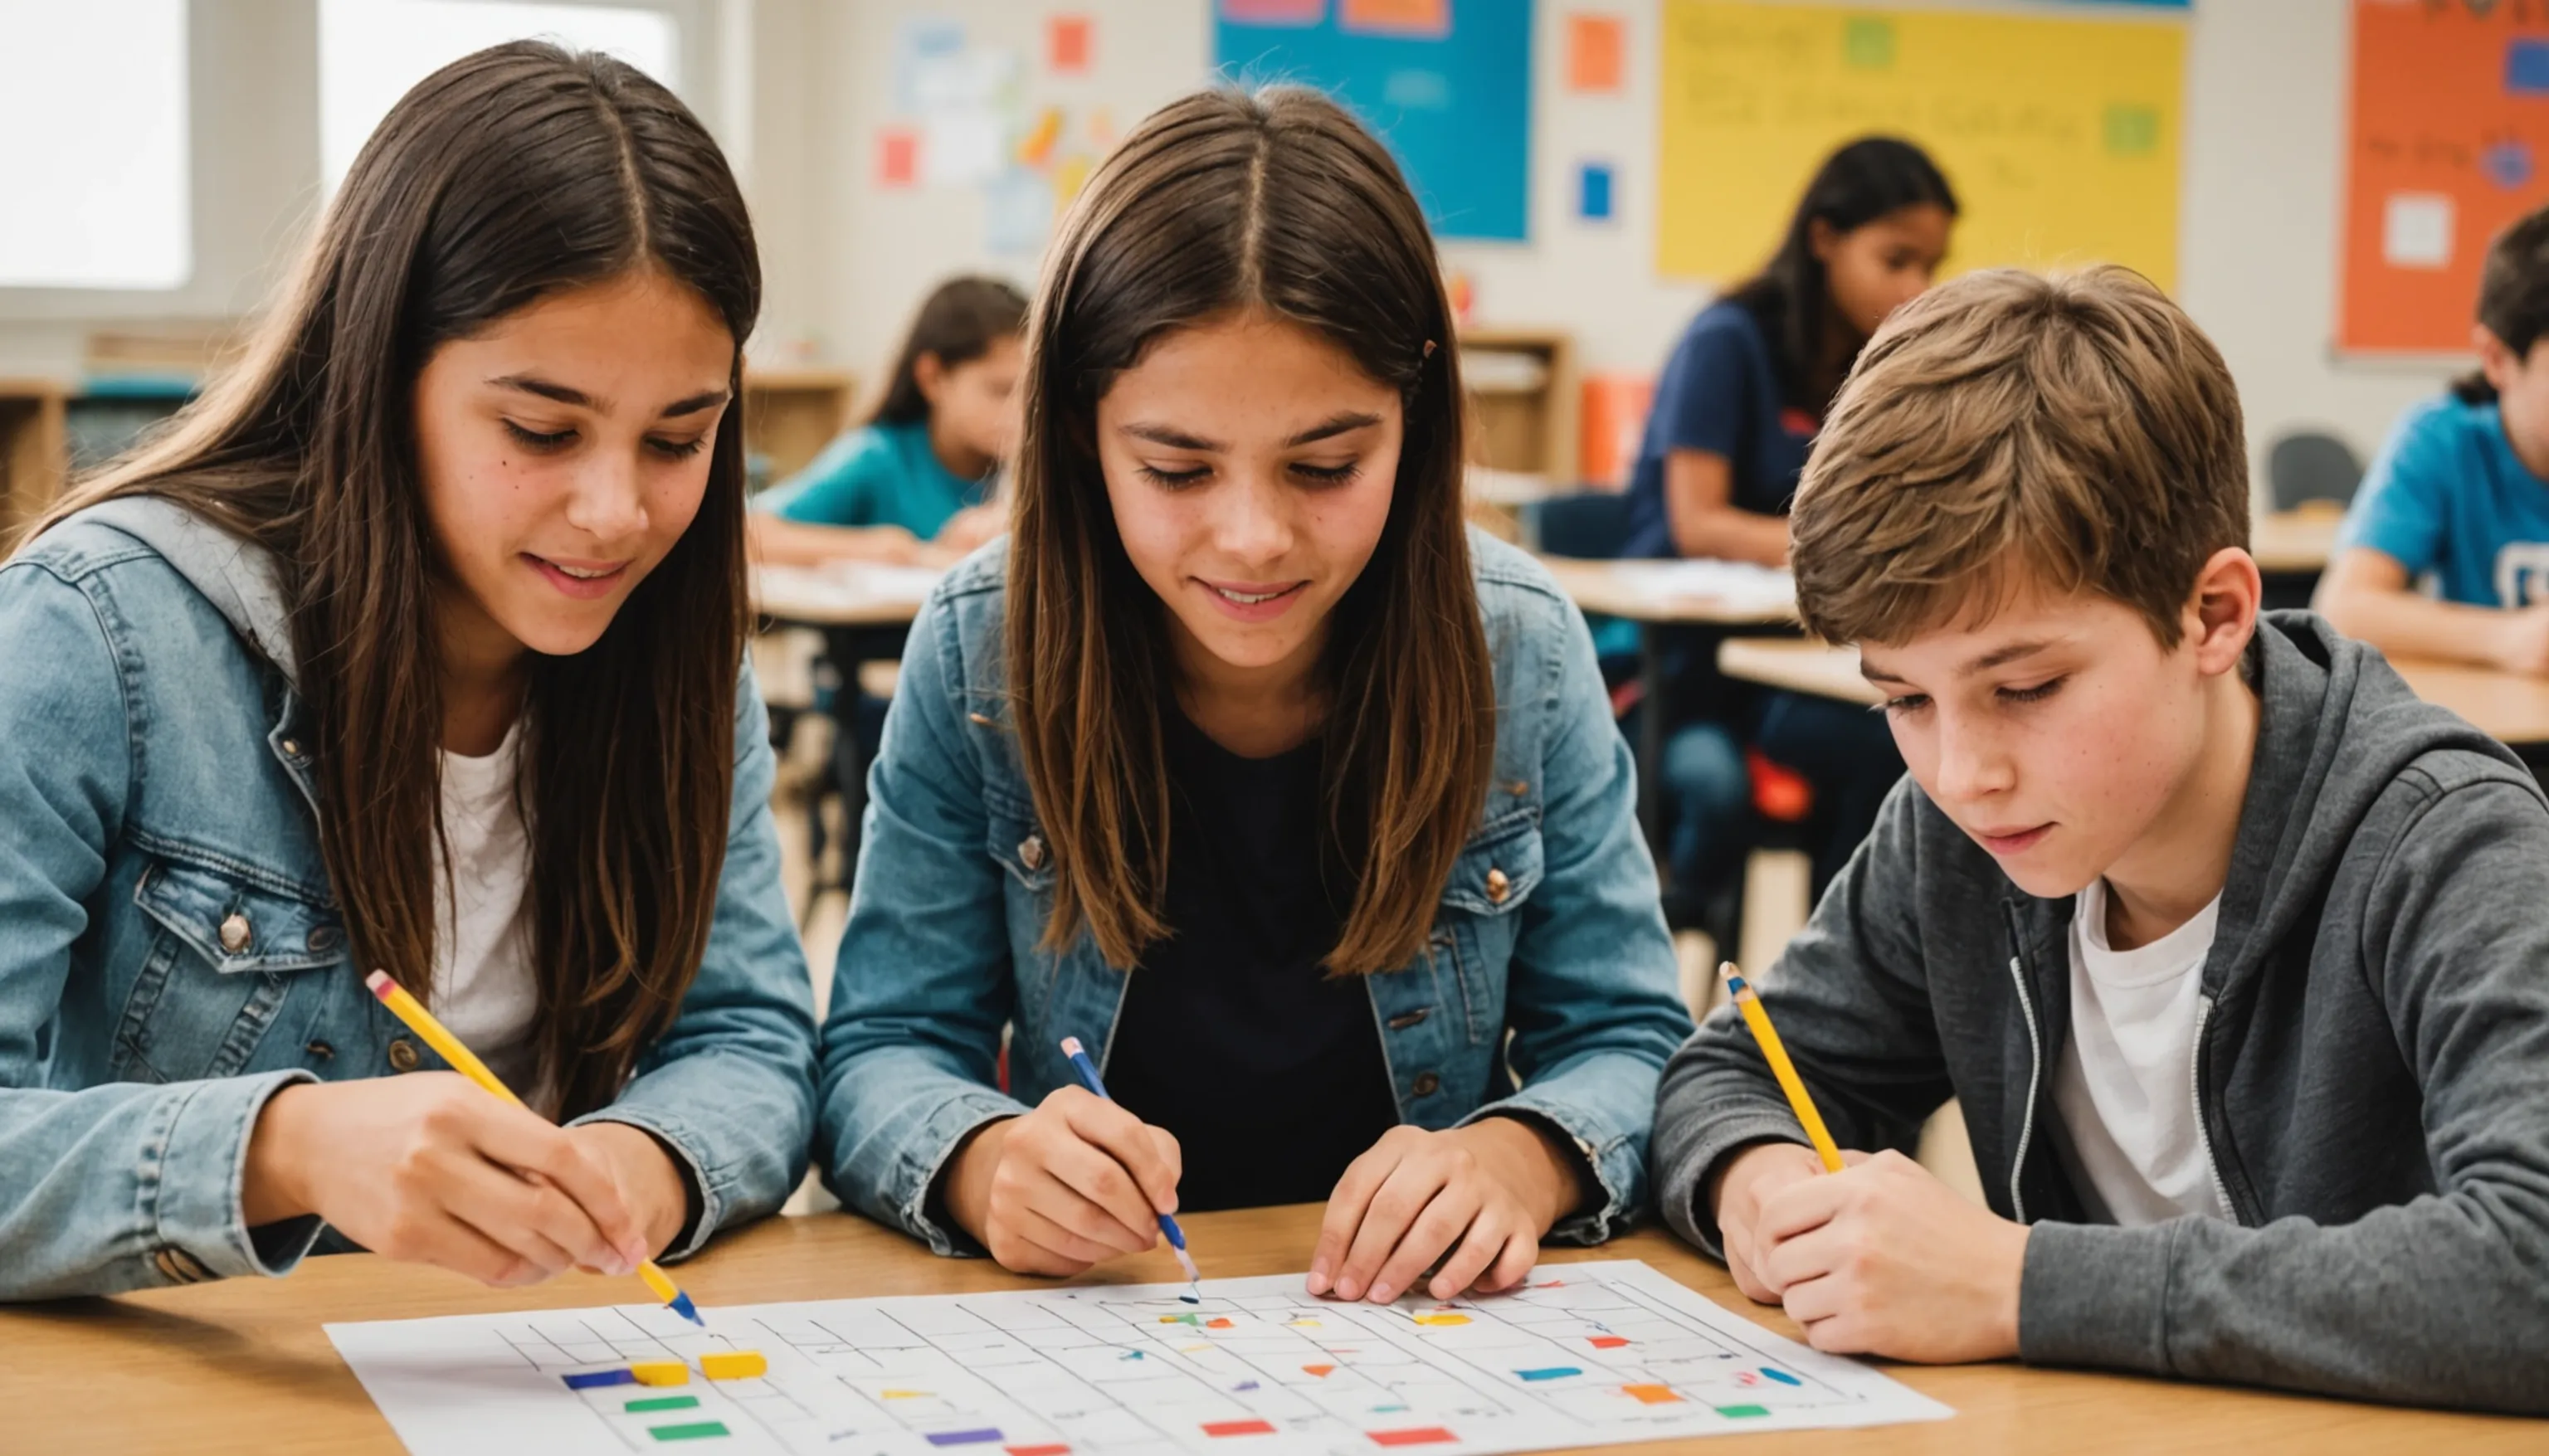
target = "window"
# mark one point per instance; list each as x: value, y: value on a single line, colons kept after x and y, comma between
x: 94, y: 189
x: 370, y: 52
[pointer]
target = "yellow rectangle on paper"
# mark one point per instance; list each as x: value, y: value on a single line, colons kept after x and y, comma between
x: 2059, y: 135
x: 734, y: 1365
x: 660, y: 1372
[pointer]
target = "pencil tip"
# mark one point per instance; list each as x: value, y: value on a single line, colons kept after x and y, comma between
x: 683, y: 1306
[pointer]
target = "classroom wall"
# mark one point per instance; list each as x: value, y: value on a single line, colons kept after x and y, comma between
x: 2265, y: 134
x: 808, y: 82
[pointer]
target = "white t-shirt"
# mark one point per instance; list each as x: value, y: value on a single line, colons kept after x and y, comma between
x: 483, y: 988
x: 2126, y: 1083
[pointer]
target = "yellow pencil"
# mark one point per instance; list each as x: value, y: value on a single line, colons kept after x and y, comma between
x: 465, y: 1062
x: 1757, y: 1018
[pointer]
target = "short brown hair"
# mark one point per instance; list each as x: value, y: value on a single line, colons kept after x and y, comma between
x: 2078, y: 431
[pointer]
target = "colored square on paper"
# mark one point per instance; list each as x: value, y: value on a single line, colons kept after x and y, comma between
x: 1273, y: 12
x: 1220, y: 1428
x: 2416, y: 230
x: 696, y: 1430
x: 1056, y: 1449
x: 2527, y: 66
x: 1595, y: 51
x: 898, y: 156
x: 1553, y: 1372
x: 1413, y: 20
x: 1423, y: 1435
x: 662, y: 1403
x: 660, y: 1372
x: 1651, y: 1394
x: 987, y: 1436
x: 734, y: 1365
x: 1608, y: 1341
x: 1868, y: 42
x: 1740, y: 1412
x: 1593, y: 192
x: 596, y: 1378
x: 1067, y: 43
x: 2132, y: 130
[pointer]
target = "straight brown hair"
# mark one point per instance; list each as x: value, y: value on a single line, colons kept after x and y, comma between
x: 503, y: 178
x: 1274, y: 202
x: 958, y: 323
x: 2006, y: 430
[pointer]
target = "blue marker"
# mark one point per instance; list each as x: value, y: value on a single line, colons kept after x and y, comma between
x: 1176, y: 1236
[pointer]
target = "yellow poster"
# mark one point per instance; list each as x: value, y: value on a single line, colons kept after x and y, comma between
x: 2060, y: 135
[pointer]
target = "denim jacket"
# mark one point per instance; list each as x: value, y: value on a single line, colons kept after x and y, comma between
x: 171, y: 954
x: 1550, y: 931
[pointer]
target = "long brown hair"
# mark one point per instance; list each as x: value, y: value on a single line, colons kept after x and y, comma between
x: 1276, y: 201
x: 958, y: 323
x: 500, y: 179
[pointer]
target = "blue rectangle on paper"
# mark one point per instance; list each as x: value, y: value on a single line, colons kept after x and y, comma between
x: 964, y: 1437
x: 1593, y: 192
x: 593, y: 1378
x: 1553, y: 1372
x: 2527, y: 66
x: 1454, y: 108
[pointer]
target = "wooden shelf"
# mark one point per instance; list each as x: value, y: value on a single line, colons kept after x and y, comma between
x: 1523, y: 424
x: 35, y: 451
x: 791, y: 414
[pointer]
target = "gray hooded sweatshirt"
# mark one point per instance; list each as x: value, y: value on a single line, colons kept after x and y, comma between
x: 2371, y: 1069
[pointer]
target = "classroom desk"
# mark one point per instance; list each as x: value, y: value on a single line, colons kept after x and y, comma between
x: 243, y: 1365
x: 2294, y: 543
x: 2506, y: 707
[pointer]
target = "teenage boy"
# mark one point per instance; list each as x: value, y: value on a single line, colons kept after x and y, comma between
x: 2235, y: 953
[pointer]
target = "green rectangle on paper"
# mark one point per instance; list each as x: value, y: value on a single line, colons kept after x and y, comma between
x: 692, y: 1433
x: 1742, y: 1409
x: 665, y: 1402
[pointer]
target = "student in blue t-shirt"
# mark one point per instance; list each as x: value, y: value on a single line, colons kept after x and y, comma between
x: 922, y: 469
x: 1735, y: 411
x: 2459, y: 494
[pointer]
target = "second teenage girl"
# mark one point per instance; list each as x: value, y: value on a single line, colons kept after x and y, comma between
x: 416, y: 646
x: 922, y: 469
x: 1735, y: 410
x: 1248, y: 766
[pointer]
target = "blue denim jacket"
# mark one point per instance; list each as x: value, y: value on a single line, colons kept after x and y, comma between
x: 1572, y: 957
x: 171, y: 954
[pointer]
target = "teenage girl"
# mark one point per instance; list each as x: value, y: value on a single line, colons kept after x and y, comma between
x: 1248, y: 766
x: 2461, y: 493
x: 1735, y: 411
x: 922, y: 468
x: 416, y: 646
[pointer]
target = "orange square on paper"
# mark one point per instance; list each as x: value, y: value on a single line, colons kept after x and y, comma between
x: 1595, y: 49
x: 1417, y: 19
x: 1065, y: 45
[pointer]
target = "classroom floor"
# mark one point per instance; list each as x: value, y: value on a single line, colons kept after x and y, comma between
x: 1774, y: 909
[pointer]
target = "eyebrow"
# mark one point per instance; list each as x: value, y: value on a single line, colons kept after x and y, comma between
x: 530, y: 384
x: 1998, y: 657
x: 1177, y: 439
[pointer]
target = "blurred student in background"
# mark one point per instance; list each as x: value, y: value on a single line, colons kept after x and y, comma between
x: 924, y: 467
x: 1735, y: 411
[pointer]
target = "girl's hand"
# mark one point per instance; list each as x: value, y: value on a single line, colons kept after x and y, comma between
x: 1491, y: 1188
x: 972, y: 526
x: 1076, y: 1181
x: 430, y: 1169
x: 650, y: 1181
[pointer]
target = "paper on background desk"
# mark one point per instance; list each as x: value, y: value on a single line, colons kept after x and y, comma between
x: 1586, y: 1354
x: 1738, y: 583
x: 846, y: 585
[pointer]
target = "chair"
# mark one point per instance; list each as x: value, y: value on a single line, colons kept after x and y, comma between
x: 1590, y: 525
x: 2310, y: 465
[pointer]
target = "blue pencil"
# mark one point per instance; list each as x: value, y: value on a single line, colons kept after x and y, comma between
x: 1176, y: 1236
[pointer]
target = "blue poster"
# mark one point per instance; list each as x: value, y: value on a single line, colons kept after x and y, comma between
x: 1451, y: 99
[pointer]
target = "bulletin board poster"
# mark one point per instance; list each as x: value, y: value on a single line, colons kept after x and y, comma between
x: 2448, y: 142
x: 2060, y: 133
x: 1444, y: 83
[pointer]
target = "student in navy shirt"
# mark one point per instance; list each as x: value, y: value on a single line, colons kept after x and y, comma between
x: 920, y: 472
x: 1735, y: 411
x: 2459, y: 494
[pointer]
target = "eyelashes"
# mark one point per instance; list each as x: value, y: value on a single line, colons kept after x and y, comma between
x: 1313, y: 474
x: 548, y: 441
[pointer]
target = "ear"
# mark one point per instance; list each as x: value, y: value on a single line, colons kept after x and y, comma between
x: 1822, y: 240
x: 2496, y: 361
x: 2222, y: 611
x: 929, y: 372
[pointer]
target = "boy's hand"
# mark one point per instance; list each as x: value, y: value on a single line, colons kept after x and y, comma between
x: 1883, y: 1259
x: 2519, y: 641
x: 1746, y: 1182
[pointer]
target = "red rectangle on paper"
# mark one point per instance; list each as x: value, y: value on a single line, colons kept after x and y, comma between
x: 1238, y: 1428
x: 1423, y: 1435
x: 1608, y: 1341
x: 1053, y: 1450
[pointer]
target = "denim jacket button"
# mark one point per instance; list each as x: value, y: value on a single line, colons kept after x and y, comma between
x: 235, y: 933
x: 1425, y: 1084
x: 292, y: 748
x: 322, y: 939
x: 1031, y: 851
x: 1498, y: 886
x: 403, y: 1055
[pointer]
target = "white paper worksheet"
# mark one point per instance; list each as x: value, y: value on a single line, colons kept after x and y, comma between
x: 1586, y: 1355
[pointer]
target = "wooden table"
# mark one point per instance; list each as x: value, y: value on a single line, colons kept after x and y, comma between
x: 244, y: 1366
x: 2507, y: 707
x: 2294, y: 543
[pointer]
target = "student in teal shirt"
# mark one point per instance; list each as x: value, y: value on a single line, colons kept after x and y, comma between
x: 922, y: 469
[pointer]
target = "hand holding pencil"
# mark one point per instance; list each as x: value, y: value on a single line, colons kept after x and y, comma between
x: 1748, y: 1178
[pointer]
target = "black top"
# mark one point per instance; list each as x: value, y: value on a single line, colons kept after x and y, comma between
x: 1268, y: 1071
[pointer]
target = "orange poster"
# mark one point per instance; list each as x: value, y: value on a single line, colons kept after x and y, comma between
x: 2449, y: 142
